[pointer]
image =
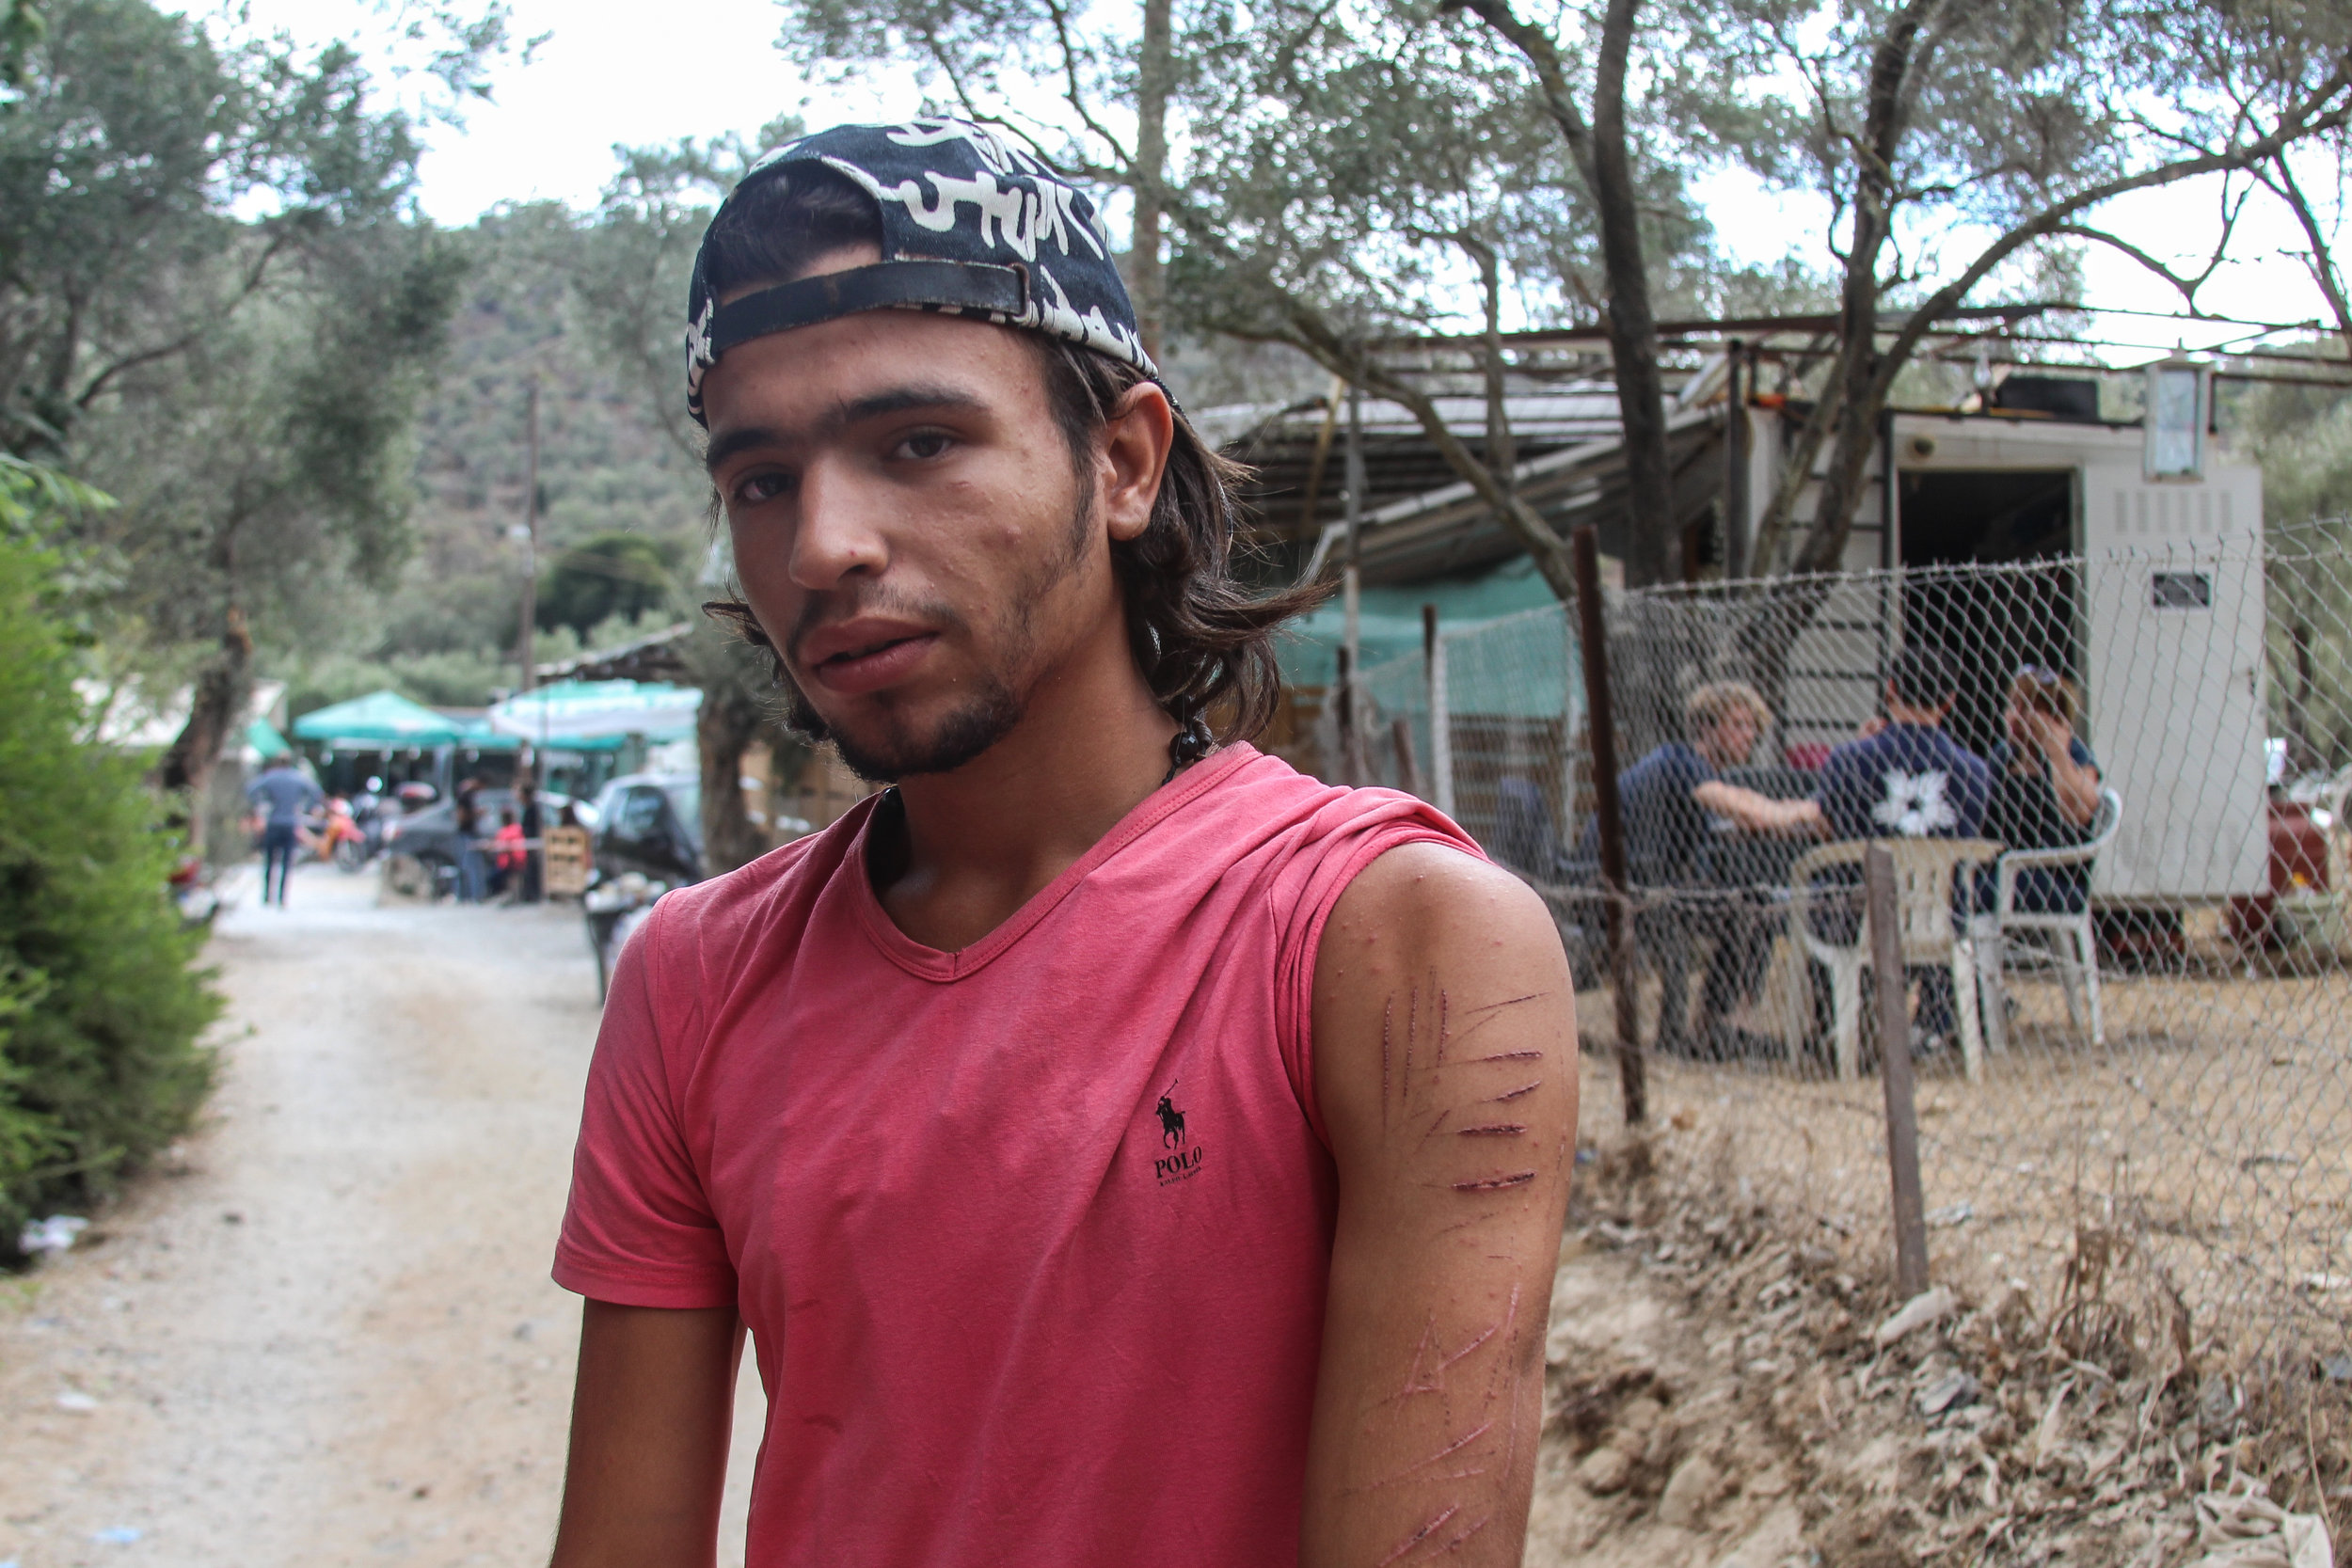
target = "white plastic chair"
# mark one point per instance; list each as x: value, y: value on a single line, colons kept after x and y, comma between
x: 1925, y: 869
x: 2073, y: 947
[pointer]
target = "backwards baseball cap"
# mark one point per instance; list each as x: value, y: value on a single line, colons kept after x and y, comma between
x: 971, y: 226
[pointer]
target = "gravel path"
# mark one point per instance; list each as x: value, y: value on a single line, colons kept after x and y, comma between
x: 324, y: 1333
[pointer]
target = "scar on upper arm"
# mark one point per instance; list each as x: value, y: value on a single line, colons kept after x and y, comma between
x: 1493, y: 1184
x: 1414, y: 1540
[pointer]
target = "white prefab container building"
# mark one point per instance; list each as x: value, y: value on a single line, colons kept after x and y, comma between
x: 2164, y: 631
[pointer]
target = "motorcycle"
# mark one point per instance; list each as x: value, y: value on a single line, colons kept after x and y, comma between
x: 339, y: 838
x: 615, y: 907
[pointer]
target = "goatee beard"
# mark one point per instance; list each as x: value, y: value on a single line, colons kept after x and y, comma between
x: 972, y: 729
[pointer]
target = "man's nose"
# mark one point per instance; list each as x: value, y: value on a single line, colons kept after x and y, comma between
x: 838, y: 533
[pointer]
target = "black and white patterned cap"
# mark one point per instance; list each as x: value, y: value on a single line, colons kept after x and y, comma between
x: 971, y: 226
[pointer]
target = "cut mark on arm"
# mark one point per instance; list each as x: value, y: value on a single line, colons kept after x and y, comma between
x: 1491, y: 1130
x: 1459, y: 1540
x: 1412, y: 1543
x: 1387, y: 1023
x: 1513, y: 1094
x: 1510, y: 1056
x: 1412, y: 1472
x: 1512, y: 1001
x: 1494, y: 1183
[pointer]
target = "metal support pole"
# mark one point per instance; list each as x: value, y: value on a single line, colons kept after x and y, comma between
x: 1354, y: 761
x: 1344, y: 708
x: 1736, y: 502
x: 1633, y: 1071
x: 1902, y: 1113
x: 1441, y: 713
x: 1407, y: 765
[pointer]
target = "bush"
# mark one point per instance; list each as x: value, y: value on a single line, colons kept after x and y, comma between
x: 101, y: 1010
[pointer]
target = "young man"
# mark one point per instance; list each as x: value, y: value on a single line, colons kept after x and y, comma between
x: 280, y: 794
x: 1906, y: 777
x: 1120, y: 1149
x: 1669, y: 795
x: 1668, y: 798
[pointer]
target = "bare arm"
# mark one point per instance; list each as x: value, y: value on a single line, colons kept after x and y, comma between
x: 2075, y: 785
x: 1445, y: 1069
x: 1759, y: 813
x: 651, y: 1417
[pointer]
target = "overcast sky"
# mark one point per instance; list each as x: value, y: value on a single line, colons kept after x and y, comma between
x: 612, y: 73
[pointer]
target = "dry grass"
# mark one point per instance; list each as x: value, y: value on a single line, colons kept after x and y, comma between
x: 2212, y: 1135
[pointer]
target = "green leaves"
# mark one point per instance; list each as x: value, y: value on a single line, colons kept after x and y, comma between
x: 99, y: 1009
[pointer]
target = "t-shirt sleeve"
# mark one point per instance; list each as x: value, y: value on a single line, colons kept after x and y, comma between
x: 639, y: 1230
x: 2081, y: 753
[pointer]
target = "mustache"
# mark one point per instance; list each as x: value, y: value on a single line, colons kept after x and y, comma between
x: 838, y: 605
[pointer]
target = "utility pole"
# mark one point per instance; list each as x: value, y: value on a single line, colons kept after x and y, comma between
x: 530, y: 559
x: 529, y: 537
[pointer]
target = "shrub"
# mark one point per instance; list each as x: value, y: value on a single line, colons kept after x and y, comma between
x: 101, y: 1010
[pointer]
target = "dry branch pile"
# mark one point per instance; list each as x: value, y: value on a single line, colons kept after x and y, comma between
x: 1725, y: 1390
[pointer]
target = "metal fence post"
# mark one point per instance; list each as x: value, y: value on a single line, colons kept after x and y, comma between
x: 1441, y: 713
x: 1408, y: 763
x: 1632, y: 1073
x: 1902, y: 1115
x: 1344, y: 689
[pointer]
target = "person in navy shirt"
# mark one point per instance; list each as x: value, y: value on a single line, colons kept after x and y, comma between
x: 2046, y: 789
x: 1668, y: 796
x: 1906, y: 777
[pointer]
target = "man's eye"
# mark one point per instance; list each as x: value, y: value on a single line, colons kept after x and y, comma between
x: 761, y: 488
x: 924, y: 444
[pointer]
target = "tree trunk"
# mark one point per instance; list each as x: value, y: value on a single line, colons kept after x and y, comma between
x: 215, y: 704
x: 1155, y: 83
x: 724, y: 728
x: 1632, y: 326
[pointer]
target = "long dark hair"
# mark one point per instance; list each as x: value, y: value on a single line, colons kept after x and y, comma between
x: 1202, y: 639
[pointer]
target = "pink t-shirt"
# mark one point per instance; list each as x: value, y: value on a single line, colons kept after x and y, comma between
x: 1032, y: 1237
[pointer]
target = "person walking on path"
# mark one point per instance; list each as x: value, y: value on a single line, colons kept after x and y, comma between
x: 473, y: 867
x: 1120, y: 1147
x: 534, y: 819
x: 281, y: 795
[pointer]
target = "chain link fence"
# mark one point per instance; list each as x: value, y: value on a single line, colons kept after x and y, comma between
x: 2127, y: 944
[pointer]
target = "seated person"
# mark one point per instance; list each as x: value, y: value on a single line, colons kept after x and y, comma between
x: 2045, y: 790
x: 1667, y: 798
x: 1905, y: 777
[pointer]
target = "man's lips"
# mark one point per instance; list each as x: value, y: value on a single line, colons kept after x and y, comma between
x: 866, y: 656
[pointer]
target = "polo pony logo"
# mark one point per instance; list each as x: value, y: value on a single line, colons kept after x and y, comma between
x: 1171, y: 1119
x: 1178, y: 1156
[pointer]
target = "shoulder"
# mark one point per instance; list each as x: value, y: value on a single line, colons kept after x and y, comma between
x: 1677, y: 758
x: 1423, y: 897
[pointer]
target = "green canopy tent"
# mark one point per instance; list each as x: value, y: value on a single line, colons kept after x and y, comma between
x: 586, y: 714
x: 380, y: 721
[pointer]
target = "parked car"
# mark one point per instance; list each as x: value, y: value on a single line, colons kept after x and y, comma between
x: 652, y: 824
x: 428, y: 839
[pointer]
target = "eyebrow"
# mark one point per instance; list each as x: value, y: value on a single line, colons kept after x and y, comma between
x: 896, y: 400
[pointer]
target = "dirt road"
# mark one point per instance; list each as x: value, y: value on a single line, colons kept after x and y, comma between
x: 325, y: 1334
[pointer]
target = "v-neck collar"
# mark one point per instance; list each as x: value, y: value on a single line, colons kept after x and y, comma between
x: 932, y: 963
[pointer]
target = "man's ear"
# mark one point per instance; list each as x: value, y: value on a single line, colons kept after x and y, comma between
x: 1137, y: 440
